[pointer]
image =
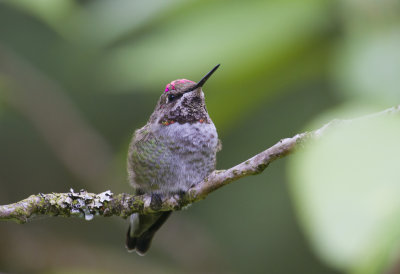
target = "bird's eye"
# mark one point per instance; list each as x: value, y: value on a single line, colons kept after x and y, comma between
x: 172, y: 97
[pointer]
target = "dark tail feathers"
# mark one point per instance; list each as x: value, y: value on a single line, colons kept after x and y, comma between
x: 141, y: 243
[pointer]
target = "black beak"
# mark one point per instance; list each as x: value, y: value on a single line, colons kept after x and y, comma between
x: 205, y: 78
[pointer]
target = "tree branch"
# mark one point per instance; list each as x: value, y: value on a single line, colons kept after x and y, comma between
x: 88, y: 205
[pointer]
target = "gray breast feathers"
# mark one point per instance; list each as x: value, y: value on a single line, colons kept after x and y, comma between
x: 171, y: 159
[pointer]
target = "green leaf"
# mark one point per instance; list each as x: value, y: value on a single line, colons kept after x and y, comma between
x: 346, y: 188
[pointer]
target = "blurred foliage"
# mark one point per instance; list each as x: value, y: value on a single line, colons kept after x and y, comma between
x: 347, y: 189
x: 346, y: 186
x: 77, y: 77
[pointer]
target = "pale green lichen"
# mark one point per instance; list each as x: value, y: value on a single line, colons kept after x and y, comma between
x: 84, y: 204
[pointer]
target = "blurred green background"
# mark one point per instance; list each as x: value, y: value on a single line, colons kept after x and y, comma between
x: 77, y: 77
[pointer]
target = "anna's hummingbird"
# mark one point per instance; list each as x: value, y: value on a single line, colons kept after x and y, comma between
x: 174, y: 151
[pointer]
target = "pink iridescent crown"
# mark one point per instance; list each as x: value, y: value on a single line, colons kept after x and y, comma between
x: 177, y: 84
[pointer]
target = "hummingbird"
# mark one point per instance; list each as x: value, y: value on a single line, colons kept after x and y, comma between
x: 173, y: 152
